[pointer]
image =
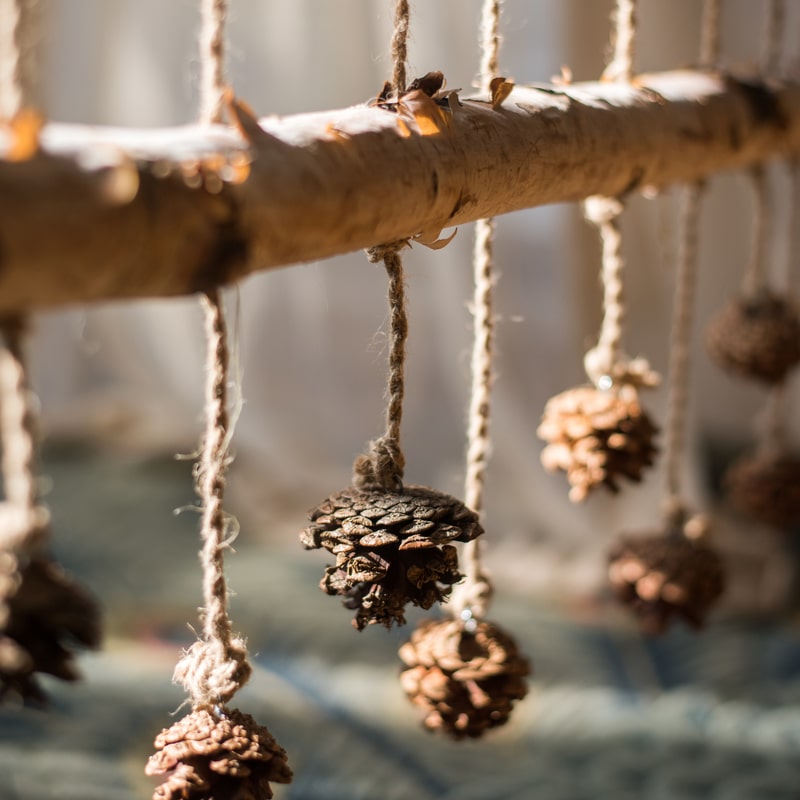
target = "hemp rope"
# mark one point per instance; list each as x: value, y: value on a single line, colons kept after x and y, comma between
x: 18, y: 24
x: 212, y: 59
x: 710, y: 28
x: 680, y: 349
x: 773, y: 422
x: 400, y: 46
x: 470, y: 599
x: 384, y: 464
x: 620, y: 68
x: 24, y: 526
x: 601, y: 360
x: 214, y: 667
x: 755, y: 276
x: 773, y: 32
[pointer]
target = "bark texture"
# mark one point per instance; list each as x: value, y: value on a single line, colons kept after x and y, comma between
x: 113, y: 214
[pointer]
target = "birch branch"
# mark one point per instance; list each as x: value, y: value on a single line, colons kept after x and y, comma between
x: 116, y: 214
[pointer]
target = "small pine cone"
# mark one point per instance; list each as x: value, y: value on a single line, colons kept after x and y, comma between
x: 225, y: 756
x: 766, y: 488
x: 43, y: 615
x: 666, y: 576
x: 391, y: 548
x: 597, y: 436
x: 757, y: 337
x: 465, y: 681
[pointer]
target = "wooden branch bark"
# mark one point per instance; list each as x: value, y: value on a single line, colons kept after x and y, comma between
x: 102, y: 214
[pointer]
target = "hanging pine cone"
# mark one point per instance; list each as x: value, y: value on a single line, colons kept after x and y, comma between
x: 597, y: 436
x: 391, y: 548
x: 225, y: 755
x: 466, y: 682
x: 757, y: 337
x: 666, y: 576
x: 43, y: 615
x: 766, y: 487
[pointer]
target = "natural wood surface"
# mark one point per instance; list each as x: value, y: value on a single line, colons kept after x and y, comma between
x: 102, y: 213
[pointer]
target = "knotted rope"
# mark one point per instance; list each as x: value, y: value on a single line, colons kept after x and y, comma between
x: 214, y: 667
x: 471, y: 598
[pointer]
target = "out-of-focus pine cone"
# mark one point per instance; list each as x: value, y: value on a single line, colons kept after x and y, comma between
x: 597, y: 436
x: 391, y: 548
x: 766, y: 488
x: 757, y: 337
x: 225, y: 756
x: 666, y: 576
x: 44, y: 614
x: 466, y: 682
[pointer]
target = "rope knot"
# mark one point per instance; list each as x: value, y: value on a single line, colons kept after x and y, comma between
x: 213, y: 671
x: 381, y: 466
x: 601, y: 210
x: 381, y: 251
x: 605, y: 370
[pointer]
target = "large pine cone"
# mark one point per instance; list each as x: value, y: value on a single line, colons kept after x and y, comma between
x: 757, y: 337
x: 466, y: 682
x: 666, y: 576
x: 766, y: 488
x: 391, y: 548
x: 597, y: 436
x: 44, y: 614
x: 222, y: 756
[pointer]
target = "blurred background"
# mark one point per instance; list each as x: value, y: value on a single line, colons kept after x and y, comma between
x: 611, y: 714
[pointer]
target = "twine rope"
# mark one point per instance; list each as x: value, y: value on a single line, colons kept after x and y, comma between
x: 620, y: 68
x: 212, y: 59
x: 600, y: 362
x: 471, y: 598
x: 756, y: 274
x: 490, y: 43
x: 710, y: 28
x: 402, y: 16
x: 18, y: 26
x: 793, y: 248
x: 771, y: 47
x: 24, y: 522
x: 215, y: 667
x: 680, y: 348
x: 384, y: 463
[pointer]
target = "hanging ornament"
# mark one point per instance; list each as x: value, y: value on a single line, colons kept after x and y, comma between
x: 215, y: 752
x: 599, y: 434
x: 466, y: 674
x: 667, y: 574
x: 673, y: 572
x: 466, y: 681
x: 764, y: 485
x: 393, y: 543
x: 757, y: 335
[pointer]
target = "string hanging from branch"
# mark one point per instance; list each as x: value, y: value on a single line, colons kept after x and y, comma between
x: 757, y: 336
x: 673, y: 572
x: 466, y: 673
x: 600, y: 433
x: 764, y: 485
x: 44, y: 614
x: 393, y: 542
x: 215, y: 751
